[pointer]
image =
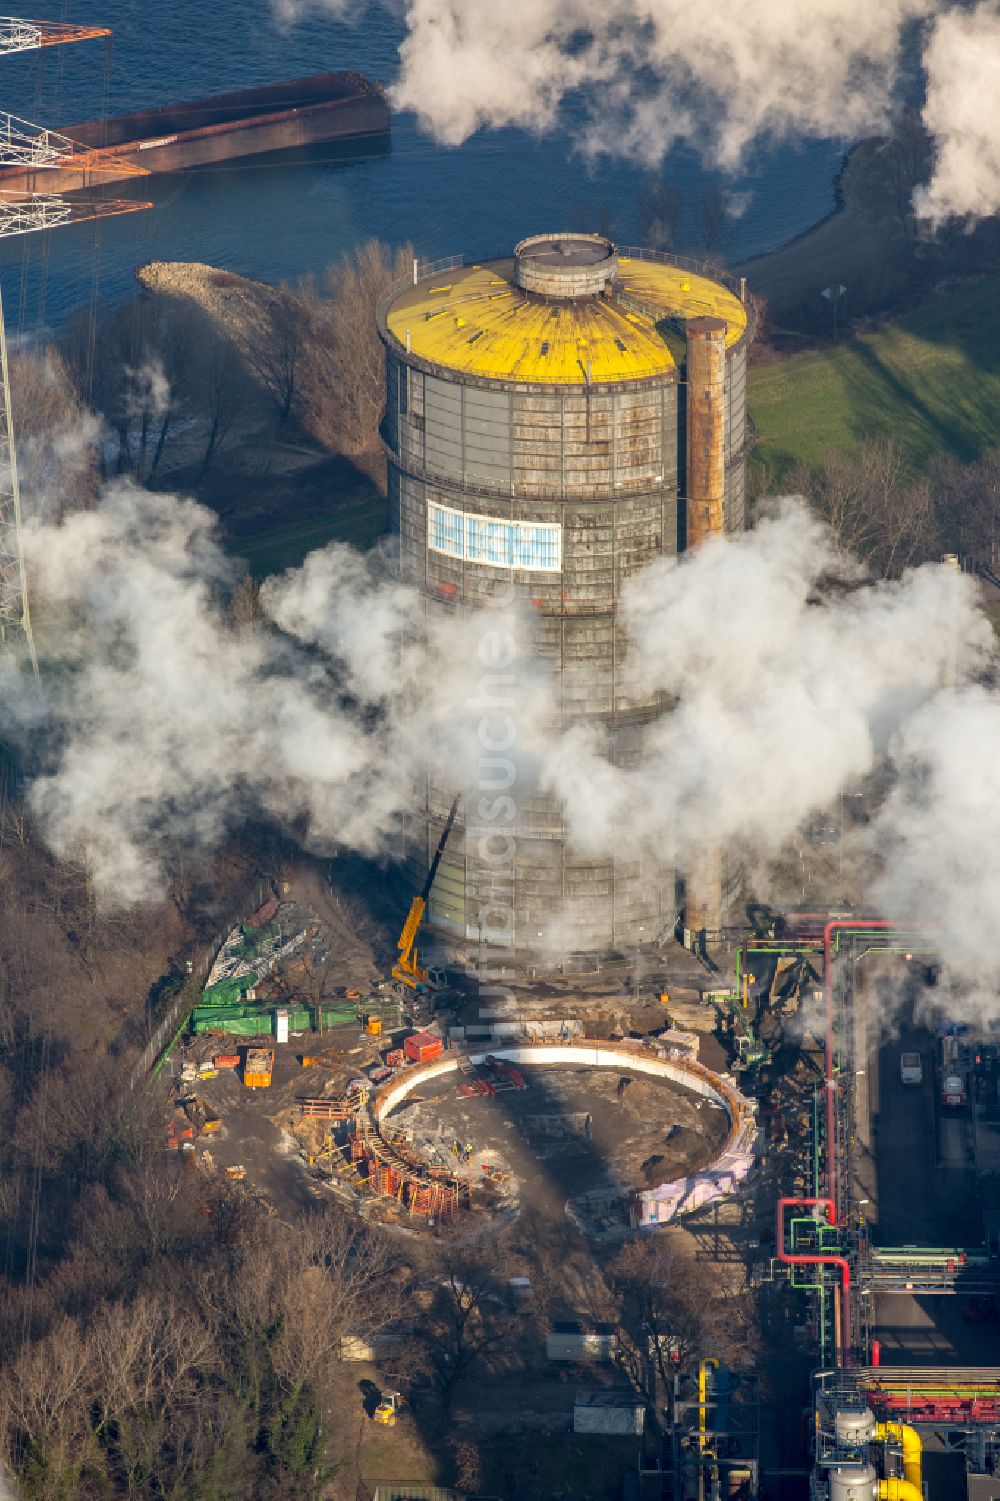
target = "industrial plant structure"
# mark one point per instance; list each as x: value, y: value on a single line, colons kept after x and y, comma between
x: 554, y: 422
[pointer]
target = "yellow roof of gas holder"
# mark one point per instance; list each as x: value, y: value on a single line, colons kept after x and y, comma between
x: 475, y: 320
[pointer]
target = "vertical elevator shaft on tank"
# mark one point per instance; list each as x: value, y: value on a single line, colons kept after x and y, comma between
x: 706, y: 494
x: 706, y: 429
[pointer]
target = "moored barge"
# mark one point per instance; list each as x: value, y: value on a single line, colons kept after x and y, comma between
x: 275, y: 117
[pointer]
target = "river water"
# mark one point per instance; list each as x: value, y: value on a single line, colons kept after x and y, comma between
x: 282, y: 221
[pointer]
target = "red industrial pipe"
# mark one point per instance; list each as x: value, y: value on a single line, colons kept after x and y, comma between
x: 801, y: 1259
x: 832, y: 1185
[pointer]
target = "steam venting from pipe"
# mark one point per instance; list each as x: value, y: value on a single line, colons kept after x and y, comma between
x: 719, y: 78
x: 163, y: 724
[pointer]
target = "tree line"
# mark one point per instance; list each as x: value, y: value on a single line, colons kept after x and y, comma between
x: 889, y: 517
x: 175, y: 382
x: 182, y: 1341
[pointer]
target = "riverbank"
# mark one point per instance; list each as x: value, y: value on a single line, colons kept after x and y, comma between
x: 851, y: 247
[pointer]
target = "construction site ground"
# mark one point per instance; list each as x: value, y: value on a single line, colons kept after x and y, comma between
x: 257, y: 1127
x: 655, y: 1132
x: 573, y: 1139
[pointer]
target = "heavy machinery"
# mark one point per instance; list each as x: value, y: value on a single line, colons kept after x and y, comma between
x: 407, y: 968
x: 258, y: 1068
x: 389, y: 1404
x: 952, y: 1073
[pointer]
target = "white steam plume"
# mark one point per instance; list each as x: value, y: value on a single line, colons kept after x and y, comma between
x: 939, y: 830
x: 149, y: 389
x: 168, y: 726
x: 781, y: 698
x: 962, y: 114
x: 287, y: 12
x: 164, y: 724
x: 718, y: 77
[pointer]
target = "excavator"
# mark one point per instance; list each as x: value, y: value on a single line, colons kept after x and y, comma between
x: 407, y: 967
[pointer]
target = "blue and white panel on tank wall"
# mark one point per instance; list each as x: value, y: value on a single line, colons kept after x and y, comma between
x: 494, y: 541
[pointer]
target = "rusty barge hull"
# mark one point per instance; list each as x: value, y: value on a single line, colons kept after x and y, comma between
x: 227, y: 127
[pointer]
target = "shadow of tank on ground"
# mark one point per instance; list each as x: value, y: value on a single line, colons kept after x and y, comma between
x: 576, y: 1138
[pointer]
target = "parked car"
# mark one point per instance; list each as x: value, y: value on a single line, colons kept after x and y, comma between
x: 911, y: 1069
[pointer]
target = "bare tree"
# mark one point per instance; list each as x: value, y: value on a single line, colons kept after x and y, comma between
x: 176, y: 349
x: 346, y: 379
x: 223, y: 393
x: 99, y: 355
x: 45, y: 1399
x: 273, y: 345
x: 245, y: 609
x: 891, y: 169
x: 661, y: 210
x: 58, y: 439
x: 142, y: 365
x: 670, y: 1312
x: 714, y: 220
x: 469, y: 1316
x: 875, y: 509
x: 967, y: 503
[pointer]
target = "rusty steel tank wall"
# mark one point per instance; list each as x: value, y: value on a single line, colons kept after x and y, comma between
x: 542, y: 898
x: 603, y: 468
x: 598, y: 465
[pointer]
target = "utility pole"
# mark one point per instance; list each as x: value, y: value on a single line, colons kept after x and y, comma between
x: 23, y: 209
x: 15, y: 616
x: 833, y: 294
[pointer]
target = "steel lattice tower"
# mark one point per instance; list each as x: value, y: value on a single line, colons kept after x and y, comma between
x: 34, y: 149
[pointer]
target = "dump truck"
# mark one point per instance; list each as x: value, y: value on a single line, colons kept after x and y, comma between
x: 258, y: 1068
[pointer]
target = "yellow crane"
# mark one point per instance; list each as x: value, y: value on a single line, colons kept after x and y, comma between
x: 407, y: 967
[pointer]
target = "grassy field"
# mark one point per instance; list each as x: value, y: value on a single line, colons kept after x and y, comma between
x: 931, y: 380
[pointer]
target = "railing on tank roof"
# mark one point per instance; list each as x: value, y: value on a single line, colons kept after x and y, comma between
x: 424, y: 270
x: 709, y: 269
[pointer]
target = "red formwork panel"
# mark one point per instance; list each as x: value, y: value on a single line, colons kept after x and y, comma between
x: 422, y: 1047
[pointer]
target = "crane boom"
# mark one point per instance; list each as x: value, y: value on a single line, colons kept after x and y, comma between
x: 24, y: 144
x: 23, y: 208
x: 20, y: 213
x: 17, y: 35
x: 407, y: 967
x: 439, y: 851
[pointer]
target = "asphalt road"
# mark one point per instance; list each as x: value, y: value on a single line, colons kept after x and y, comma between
x: 924, y: 1196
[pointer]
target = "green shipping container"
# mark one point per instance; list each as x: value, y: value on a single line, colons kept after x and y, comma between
x: 252, y: 1020
x: 228, y: 992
